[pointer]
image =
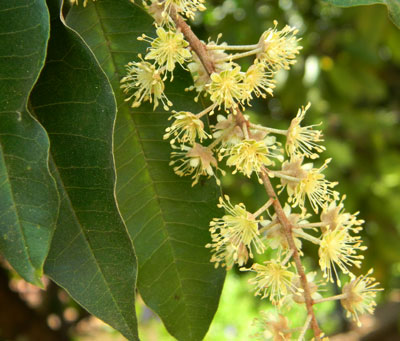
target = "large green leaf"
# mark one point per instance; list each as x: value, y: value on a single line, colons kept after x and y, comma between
x: 167, y: 219
x: 393, y: 6
x: 91, y: 255
x: 28, y: 196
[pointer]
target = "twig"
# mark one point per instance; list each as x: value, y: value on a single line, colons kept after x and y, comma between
x: 287, y: 228
x: 195, y: 43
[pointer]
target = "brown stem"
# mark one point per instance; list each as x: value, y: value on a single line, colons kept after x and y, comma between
x: 287, y: 229
x: 202, y: 53
x: 195, y: 43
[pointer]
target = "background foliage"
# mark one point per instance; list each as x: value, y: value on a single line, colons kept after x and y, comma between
x: 349, y: 69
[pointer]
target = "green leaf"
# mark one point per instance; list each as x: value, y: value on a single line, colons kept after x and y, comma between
x: 28, y: 195
x: 393, y: 6
x: 167, y: 218
x: 91, y: 255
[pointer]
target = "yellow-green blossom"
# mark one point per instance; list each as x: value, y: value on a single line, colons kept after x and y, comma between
x: 303, y: 181
x: 279, y: 48
x: 199, y: 74
x: 250, y: 155
x: 360, y: 296
x: 168, y: 48
x: 303, y: 141
x: 339, y: 248
x: 146, y: 83
x: 334, y: 217
x: 226, y: 88
x: 185, y: 7
x: 186, y: 128
x: 259, y: 80
x: 273, y: 327
x: 236, y: 230
x: 273, y: 280
x: 195, y: 161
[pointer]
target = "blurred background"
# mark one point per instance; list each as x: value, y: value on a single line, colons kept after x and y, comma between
x: 349, y: 69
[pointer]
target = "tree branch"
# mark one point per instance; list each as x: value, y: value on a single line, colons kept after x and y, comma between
x: 287, y: 229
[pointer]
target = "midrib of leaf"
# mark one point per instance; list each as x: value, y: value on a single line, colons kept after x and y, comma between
x: 129, y: 120
x: 57, y: 175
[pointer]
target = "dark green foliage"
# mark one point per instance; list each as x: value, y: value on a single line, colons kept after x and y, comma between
x: 85, y: 180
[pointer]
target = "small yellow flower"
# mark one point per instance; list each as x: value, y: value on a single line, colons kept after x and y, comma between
x: 360, y: 295
x: 145, y: 80
x: 226, y: 88
x: 305, y: 181
x: 196, y: 160
x: 168, y: 48
x: 335, y: 217
x: 279, y: 48
x: 272, y: 327
x: 339, y: 248
x: 235, y: 234
x: 259, y: 80
x: 250, y: 155
x: 186, y: 128
x: 303, y: 141
x: 186, y: 7
x: 273, y: 280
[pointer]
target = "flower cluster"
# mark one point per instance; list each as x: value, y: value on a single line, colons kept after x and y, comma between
x: 314, y: 211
